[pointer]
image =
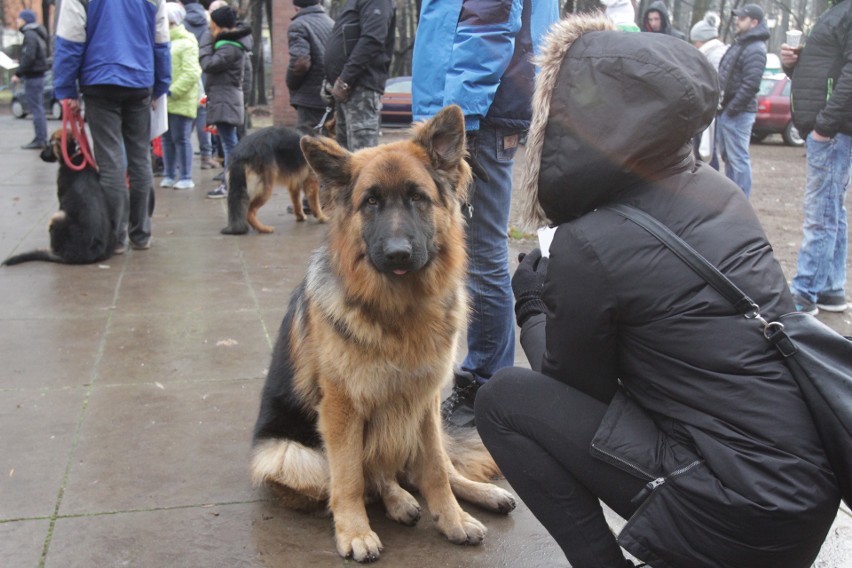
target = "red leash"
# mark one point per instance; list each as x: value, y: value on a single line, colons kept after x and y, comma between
x: 78, y: 131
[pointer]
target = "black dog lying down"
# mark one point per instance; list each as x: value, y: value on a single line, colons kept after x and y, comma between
x: 80, y: 232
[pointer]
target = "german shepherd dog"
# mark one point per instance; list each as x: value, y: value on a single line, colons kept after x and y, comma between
x: 272, y: 156
x: 350, y: 408
x: 81, y: 231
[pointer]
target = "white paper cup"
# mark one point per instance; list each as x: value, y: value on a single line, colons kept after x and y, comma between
x: 545, y: 236
x: 794, y: 38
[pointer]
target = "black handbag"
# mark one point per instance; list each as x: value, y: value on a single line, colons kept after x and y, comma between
x: 819, y: 358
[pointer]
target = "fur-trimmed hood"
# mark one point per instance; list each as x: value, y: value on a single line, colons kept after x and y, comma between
x: 610, y: 109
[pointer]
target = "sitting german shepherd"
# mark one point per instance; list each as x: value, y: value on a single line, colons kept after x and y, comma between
x: 81, y: 231
x: 273, y: 156
x: 350, y: 408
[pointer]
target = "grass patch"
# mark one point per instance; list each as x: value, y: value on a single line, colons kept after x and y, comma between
x: 519, y: 235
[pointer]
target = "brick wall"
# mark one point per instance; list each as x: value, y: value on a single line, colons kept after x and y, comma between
x: 282, y: 113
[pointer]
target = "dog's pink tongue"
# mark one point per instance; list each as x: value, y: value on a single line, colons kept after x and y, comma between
x: 400, y: 272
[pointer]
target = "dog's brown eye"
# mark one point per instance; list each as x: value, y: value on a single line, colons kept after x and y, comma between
x: 372, y: 201
x: 416, y: 197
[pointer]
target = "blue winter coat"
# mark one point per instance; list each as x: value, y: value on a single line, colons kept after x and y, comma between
x: 111, y: 42
x: 476, y: 54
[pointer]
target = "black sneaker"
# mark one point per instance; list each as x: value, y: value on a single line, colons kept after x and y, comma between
x: 805, y: 306
x: 34, y: 145
x: 457, y: 409
x: 831, y: 302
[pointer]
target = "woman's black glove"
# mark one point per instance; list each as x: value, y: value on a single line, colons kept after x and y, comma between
x: 527, y: 285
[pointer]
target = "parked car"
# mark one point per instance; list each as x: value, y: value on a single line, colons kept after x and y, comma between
x: 396, y: 102
x: 773, y: 111
x: 52, y: 106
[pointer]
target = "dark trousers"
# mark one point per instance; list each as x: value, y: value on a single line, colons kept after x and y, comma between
x: 121, y: 136
x: 34, y: 90
x: 539, y: 431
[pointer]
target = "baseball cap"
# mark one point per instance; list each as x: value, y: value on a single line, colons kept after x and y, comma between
x: 752, y: 11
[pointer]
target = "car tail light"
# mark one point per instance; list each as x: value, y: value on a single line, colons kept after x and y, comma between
x: 763, y: 105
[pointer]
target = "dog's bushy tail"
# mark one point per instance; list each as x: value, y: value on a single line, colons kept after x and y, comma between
x: 238, y: 199
x: 40, y: 254
x: 469, y: 455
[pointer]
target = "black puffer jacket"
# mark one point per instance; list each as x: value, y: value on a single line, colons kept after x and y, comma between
x: 699, y: 404
x: 741, y: 69
x: 224, y: 60
x: 307, y: 38
x: 33, y: 61
x: 360, y: 48
x: 822, y: 79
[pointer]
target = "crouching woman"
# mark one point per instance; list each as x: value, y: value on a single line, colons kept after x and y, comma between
x: 648, y: 391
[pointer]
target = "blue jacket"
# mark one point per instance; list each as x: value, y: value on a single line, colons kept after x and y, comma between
x: 476, y: 54
x: 111, y: 42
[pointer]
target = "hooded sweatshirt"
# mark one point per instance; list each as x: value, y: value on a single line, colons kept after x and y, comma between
x: 186, y: 73
x: 699, y: 404
x: 665, y: 23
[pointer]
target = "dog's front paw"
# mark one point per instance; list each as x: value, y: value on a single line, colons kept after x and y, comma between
x: 364, y: 547
x: 402, y: 507
x: 465, y: 530
x: 499, y: 500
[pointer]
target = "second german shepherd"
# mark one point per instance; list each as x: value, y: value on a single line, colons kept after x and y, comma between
x: 350, y: 408
x: 269, y: 157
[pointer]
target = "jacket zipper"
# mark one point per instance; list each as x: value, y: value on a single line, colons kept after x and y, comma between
x: 616, y: 461
x: 830, y: 88
x: 653, y: 484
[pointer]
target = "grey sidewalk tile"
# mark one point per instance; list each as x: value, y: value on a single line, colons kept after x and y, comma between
x: 151, y: 446
x: 184, y: 346
x: 59, y: 352
x: 46, y: 290
x: 36, y: 434
x: 159, y: 292
x: 22, y: 542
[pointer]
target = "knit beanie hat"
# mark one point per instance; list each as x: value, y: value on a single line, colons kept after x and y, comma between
x: 225, y: 17
x: 305, y: 3
x: 706, y: 29
x: 176, y: 13
x: 28, y: 16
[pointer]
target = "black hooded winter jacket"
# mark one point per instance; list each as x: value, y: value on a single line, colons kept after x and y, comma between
x: 225, y: 61
x: 666, y: 28
x: 700, y: 405
x: 822, y: 78
x: 33, y: 61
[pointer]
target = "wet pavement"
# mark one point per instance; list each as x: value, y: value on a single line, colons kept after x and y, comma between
x: 128, y: 392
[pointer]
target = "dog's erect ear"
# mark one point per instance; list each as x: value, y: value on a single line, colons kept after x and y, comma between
x: 443, y: 137
x: 328, y: 159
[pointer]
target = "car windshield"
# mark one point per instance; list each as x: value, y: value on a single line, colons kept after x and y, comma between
x: 398, y: 87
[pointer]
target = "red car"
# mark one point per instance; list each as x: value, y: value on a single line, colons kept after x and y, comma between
x: 773, y: 111
x: 396, y: 102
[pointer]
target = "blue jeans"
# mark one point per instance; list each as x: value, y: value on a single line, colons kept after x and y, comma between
x: 205, y: 146
x: 821, y: 267
x: 733, y: 134
x: 491, y: 330
x: 34, y: 89
x: 228, y: 138
x: 177, y: 147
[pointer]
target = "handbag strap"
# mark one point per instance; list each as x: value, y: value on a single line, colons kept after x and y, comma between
x: 700, y: 265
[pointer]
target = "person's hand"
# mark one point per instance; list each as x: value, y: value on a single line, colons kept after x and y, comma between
x: 15, y: 79
x: 73, y: 105
x: 819, y: 137
x: 528, y: 284
x: 153, y: 104
x: 340, y: 91
x: 788, y: 56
